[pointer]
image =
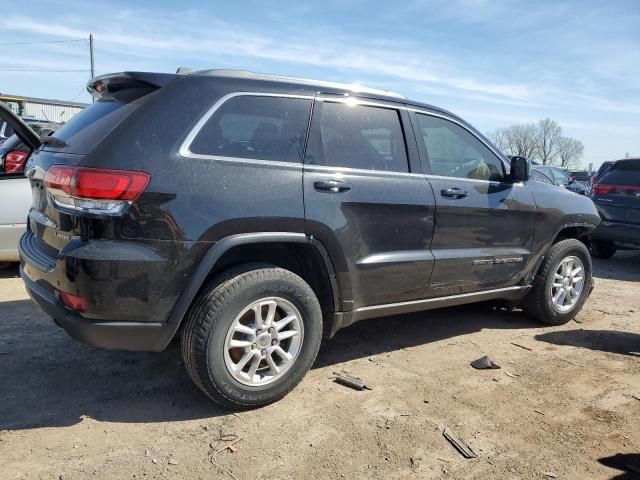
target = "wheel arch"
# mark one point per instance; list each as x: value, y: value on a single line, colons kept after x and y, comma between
x: 578, y: 230
x: 296, y: 252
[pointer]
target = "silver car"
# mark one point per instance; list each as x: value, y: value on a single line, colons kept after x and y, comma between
x: 15, y: 191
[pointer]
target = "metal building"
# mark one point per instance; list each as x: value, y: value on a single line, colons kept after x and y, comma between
x: 42, y: 108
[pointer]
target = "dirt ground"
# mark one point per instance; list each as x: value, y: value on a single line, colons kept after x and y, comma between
x: 566, y: 403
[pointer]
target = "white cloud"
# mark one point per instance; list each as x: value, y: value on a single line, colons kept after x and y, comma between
x: 158, y: 38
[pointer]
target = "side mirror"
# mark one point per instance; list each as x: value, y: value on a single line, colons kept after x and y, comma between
x: 520, y: 169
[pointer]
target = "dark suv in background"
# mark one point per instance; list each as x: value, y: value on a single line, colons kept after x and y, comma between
x: 617, y: 196
x: 251, y: 214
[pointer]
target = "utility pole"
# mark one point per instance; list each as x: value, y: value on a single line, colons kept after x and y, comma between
x: 93, y: 69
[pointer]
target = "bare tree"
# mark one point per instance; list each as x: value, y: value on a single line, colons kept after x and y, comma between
x: 549, y: 135
x: 516, y: 140
x: 542, y: 142
x: 569, y: 152
x: 499, y: 139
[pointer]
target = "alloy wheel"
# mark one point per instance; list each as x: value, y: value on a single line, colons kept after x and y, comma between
x: 264, y: 341
x: 568, y: 284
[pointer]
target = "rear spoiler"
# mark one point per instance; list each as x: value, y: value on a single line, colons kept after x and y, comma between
x: 128, y: 86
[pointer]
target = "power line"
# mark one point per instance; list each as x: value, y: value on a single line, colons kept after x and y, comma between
x: 83, y: 90
x: 44, y: 41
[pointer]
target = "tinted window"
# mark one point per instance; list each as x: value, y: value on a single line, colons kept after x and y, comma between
x: 357, y: 136
x: 263, y: 128
x: 454, y: 152
x: 603, y: 167
x: 91, y: 125
x: 628, y: 176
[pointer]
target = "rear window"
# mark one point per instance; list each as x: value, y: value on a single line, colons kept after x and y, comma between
x: 623, y: 174
x: 256, y: 127
x: 91, y: 125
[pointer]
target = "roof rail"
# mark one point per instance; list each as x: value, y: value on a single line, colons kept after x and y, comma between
x: 302, y: 81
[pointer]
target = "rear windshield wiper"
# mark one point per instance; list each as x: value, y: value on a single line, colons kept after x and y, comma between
x: 52, y: 141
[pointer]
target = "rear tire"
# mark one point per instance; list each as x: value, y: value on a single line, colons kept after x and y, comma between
x: 252, y: 335
x: 602, y: 249
x: 562, y: 285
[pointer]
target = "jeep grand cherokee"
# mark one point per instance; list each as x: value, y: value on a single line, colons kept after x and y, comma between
x: 251, y: 214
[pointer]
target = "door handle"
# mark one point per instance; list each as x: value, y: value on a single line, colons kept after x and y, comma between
x: 332, y: 186
x: 453, y: 193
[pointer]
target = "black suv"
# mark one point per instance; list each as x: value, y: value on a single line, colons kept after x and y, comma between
x: 253, y: 214
x: 617, y: 196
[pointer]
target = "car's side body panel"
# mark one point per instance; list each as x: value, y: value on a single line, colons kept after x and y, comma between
x: 15, y: 198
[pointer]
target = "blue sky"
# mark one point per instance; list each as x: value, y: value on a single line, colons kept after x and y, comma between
x: 493, y: 62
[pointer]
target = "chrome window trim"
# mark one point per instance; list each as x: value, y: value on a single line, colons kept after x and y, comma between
x: 354, y: 100
x: 477, y: 180
x: 185, y: 147
x: 358, y: 171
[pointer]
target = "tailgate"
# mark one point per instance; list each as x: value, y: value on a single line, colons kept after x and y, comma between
x: 617, y: 194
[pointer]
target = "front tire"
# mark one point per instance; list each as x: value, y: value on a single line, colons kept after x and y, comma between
x: 252, y: 335
x: 563, y: 284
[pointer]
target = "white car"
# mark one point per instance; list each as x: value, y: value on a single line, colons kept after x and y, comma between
x: 15, y: 190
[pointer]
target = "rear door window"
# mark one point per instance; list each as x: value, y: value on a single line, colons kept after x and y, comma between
x: 256, y: 127
x: 357, y: 136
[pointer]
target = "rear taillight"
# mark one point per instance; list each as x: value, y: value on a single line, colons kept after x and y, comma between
x: 14, y: 161
x: 601, y: 189
x: 604, y: 189
x: 95, y: 190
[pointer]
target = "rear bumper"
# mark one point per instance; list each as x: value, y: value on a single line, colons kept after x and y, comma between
x: 130, y: 287
x: 623, y: 234
x: 136, y: 336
